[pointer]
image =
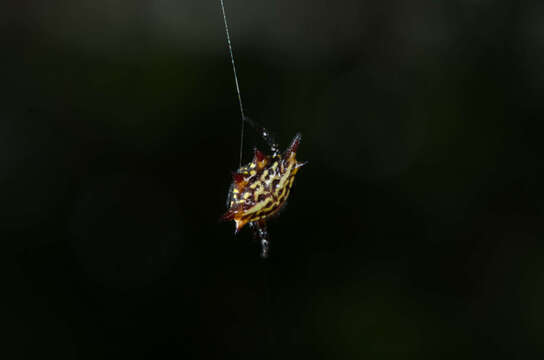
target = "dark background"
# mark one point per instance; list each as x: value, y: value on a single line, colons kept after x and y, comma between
x: 415, y: 229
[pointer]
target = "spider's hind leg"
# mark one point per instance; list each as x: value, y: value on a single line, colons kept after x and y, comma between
x: 261, y: 233
x: 266, y: 135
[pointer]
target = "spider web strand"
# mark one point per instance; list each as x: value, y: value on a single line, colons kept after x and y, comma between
x: 235, y: 81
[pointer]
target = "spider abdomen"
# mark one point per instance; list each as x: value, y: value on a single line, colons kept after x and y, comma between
x: 269, y: 192
x: 262, y: 187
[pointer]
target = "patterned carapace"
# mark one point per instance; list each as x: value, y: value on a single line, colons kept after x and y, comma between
x: 260, y: 188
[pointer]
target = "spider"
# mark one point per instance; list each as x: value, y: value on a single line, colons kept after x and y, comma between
x: 260, y: 189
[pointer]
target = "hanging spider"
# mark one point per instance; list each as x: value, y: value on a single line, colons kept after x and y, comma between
x: 260, y: 189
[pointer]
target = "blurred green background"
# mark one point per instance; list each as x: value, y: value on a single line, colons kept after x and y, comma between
x: 415, y: 229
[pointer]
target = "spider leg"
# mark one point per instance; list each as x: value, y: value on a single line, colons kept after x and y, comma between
x: 261, y: 233
x: 229, y: 195
x: 266, y: 135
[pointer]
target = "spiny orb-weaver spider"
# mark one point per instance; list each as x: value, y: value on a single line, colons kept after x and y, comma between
x: 260, y: 189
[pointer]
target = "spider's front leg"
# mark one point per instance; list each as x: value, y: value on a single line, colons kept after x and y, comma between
x: 261, y: 233
x: 267, y: 136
